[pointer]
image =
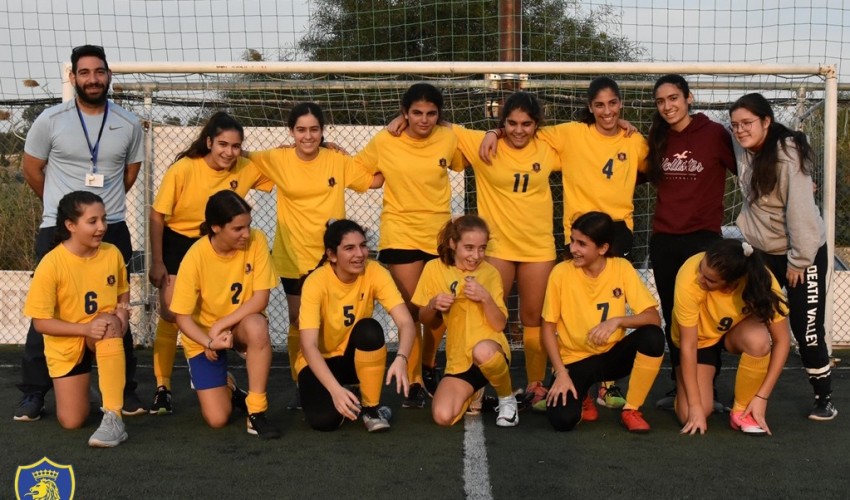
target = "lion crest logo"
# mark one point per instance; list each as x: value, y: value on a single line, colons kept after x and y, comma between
x: 234, y: 184
x: 110, y: 280
x: 45, y: 480
x: 443, y: 163
x: 617, y: 293
x: 621, y: 156
x: 248, y: 268
x: 536, y: 167
x: 331, y: 182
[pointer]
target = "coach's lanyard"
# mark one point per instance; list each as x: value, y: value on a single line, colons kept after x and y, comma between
x: 93, y: 149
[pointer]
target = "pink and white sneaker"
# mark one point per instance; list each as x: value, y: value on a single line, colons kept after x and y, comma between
x: 747, y: 425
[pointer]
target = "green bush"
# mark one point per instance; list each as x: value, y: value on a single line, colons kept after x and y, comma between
x: 20, y: 215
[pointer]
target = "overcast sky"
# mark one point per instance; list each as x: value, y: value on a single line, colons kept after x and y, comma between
x: 36, y: 35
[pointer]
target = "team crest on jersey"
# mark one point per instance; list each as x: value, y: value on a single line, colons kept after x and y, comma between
x: 234, y: 184
x: 331, y: 182
x: 453, y: 288
x: 45, y: 480
x: 362, y: 295
x: 621, y: 156
x: 536, y: 167
x: 110, y: 280
x: 617, y: 293
x: 248, y: 268
x: 443, y: 162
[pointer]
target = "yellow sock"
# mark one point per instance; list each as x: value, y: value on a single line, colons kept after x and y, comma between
x: 643, y: 375
x: 751, y: 373
x: 293, y: 347
x: 414, y: 361
x: 535, y: 357
x: 164, y: 351
x: 110, y: 373
x: 497, y: 373
x: 257, y: 402
x: 369, y: 366
x: 430, y: 343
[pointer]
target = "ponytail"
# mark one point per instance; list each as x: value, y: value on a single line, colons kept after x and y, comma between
x: 453, y: 231
x: 71, y: 208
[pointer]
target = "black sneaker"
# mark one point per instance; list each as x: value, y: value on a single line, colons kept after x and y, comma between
x: 824, y: 409
x: 295, y: 401
x: 415, y: 397
x: 260, y: 427
x: 668, y: 401
x: 430, y: 379
x: 161, y: 402
x: 237, y: 395
x: 132, y: 404
x: 30, y: 407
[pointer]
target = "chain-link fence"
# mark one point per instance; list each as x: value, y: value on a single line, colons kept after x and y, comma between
x: 356, y: 110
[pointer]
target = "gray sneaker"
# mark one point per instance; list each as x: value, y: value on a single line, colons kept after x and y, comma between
x: 377, y: 419
x: 30, y: 407
x: 111, y: 432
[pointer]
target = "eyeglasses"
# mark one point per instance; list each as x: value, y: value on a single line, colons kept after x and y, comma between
x: 743, y: 126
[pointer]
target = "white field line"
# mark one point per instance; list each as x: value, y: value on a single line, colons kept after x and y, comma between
x: 476, y: 472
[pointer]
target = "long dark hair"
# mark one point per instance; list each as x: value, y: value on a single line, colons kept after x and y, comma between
x: 223, y: 207
x: 728, y: 259
x: 660, y: 128
x: 453, y: 231
x: 71, y: 208
x: 423, y: 92
x: 765, y: 159
x: 218, y: 123
x: 599, y: 227
x: 335, y: 232
x: 596, y: 86
x: 523, y: 101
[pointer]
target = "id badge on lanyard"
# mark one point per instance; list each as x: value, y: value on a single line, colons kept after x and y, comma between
x: 93, y: 179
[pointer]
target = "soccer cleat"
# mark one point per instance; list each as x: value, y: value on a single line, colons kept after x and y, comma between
x: 508, y: 412
x: 161, y: 401
x: 668, y: 402
x: 376, y: 419
x: 430, y: 379
x: 589, y: 413
x: 747, y: 425
x: 610, y: 397
x: 133, y: 405
x: 415, y: 397
x: 237, y: 395
x: 633, y: 421
x: 535, y: 392
x: 539, y: 407
x: 259, y: 426
x: 823, y: 410
x: 111, y: 432
x: 30, y: 407
x: 295, y: 401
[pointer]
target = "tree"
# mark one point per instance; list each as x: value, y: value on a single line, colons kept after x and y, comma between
x: 435, y: 30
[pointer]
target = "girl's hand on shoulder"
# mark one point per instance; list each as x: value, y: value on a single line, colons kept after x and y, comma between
x: 562, y: 386
x: 487, y: 149
x: 599, y: 334
x: 627, y: 126
x: 397, y: 125
x: 474, y: 291
x: 442, y: 302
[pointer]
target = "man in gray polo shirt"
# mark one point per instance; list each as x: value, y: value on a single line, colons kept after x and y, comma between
x: 89, y: 144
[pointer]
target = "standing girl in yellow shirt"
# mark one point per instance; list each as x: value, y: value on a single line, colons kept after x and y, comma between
x: 417, y: 198
x: 79, y: 300
x: 341, y: 344
x: 463, y: 290
x: 220, y: 296
x: 211, y: 163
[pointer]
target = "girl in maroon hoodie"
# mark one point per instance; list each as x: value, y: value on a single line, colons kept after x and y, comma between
x: 689, y: 156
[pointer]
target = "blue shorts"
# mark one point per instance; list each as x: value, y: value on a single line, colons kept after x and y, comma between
x: 208, y: 374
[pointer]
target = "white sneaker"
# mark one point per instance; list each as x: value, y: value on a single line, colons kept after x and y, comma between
x: 111, y: 432
x: 377, y: 419
x: 508, y: 412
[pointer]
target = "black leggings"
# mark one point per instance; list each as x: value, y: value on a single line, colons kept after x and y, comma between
x: 612, y: 365
x: 809, y: 330
x: 318, y: 404
x: 668, y: 252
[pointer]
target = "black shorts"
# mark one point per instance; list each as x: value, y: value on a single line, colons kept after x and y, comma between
x: 705, y: 356
x: 473, y: 376
x: 393, y: 256
x: 174, y: 248
x: 292, y: 286
x: 84, y: 366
